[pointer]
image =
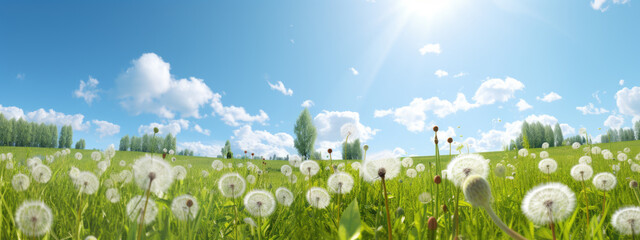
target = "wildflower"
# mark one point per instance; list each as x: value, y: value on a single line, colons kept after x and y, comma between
x: 41, y: 174
x: 356, y: 166
x: 585, y: 160
x: 424, y: 197
x: 622, y: 157
x: 575, y: 145
x: 259, y: 203
x: 604, y: 181
x: 318, y: 197
x: 545, y: 145
x: 87, y: 183
x: 78, y: 156
x: 465, y: 165
x: 284, y: 196
x: 340, y: 183
x: 152, y: 173
x: 179, y: 172
x: 20, y: 182
x: 581, y: 172
x: 627, y: 220
x: 372, y: 168
x: 136, y: 206
x: 217, y: 165
x: 547, y: 166
x: 251, y: 179
x: 96, y: 156
x: 500, y: 170
x: 231, y: 185
x: 34, y: 218
x: 309, y: 167
x: 407, y: 162
x: 548, y: 203
x: 523, y: 152
x: 286, y: 170
x: 112, y: 195
x: 420, y: 167
x: 411, y: 173
x: 185, y: 207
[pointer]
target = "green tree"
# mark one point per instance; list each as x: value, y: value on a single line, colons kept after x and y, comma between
x: 80, y: 144
x: 124, y: 143
x: 6, y: 130
x: 136, y: 144
x: 305, y: 134
x: 53, y: 136
x: 557, y: 131
x: 23, y: 133
x: 226, y: 150
x: 548, y: 136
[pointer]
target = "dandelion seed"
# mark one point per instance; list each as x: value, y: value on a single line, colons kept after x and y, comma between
x: 87, y: 183
x: 465, y: 165
x: 185, y: 207
x: 411, y: 173
x: 622, y: 157
x: 420, y: 167
x: 575, y: 145
x: 523, y: 152
x: 152, y: 173
x: 309, y: 167
x: 295, y: 161
x: 424, y: 197
x: 544, y: 154
x: 171, y: 152
x: 259, y: 203
x: 407, y: 162
x: 136, y: 206
x: 78, y: 156
x: 372, y: 169
x: 284, y: 196
x: 581, y: 172
x: 231, y: 185
x: 251, y: 179
x: 547, y: 203
x: 545, y: 145
x: 112, y: 195
x: 20, y: 182
x: 217, y: 165
x: 605, y: 181
x: 34, y: 218
x: 340, y: 183
x: 286, y: 170
x: 179, y: 172
x: 548, y: 166
x: 318, y: 197
x: 173, y: 159
x: 627, y: 220
x: 41, y: 174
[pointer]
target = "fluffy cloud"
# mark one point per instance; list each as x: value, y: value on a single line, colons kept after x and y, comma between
x: 628, y: 101
x: 201, y: 130
x: 621, y: 82
x: 52, y: 117
x: 460, y: 74
x: 233, y: 115
x: 523, y: 105
x: 173, y: 126
x: 200, y: 149
x: 11, y: 112
x: 106, y: 128
x: 261, y: 142
x: 307, y: 104
x: 497, y: 90
x: 396, y: 152
x: 354, y: 71
x: 329, y: 125
x: 149, y: 87
x: 591, y: 109
x: 281, y: 88
x: 614, y: 122
x: 600, y: 4
x: 552, y: 96
x: 430, y: 48
x: 441, y: 73
x: 87, y: 90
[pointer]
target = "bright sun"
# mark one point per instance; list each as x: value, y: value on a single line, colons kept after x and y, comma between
x: 425, y: 8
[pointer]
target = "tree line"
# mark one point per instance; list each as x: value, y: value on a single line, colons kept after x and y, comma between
x: 533, y: 135
x: 149, y: 143
x: 21, y: 133
x: 621, y: 135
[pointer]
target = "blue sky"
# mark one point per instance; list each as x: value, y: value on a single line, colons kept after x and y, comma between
x: 241, y: 70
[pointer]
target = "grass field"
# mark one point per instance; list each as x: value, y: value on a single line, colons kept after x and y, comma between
x: 76, y: 215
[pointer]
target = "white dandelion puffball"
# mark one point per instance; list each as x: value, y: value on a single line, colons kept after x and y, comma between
x: 293, y: 178
x: 179, y: 172
x: 20, y: 182
x: 318, y: 197
x: 411, y: 173
x: 465, y: 165
x: 295, y: 161
x: 388, y: 167
x: 340, y: 183
x: 575, y: 145
x: 596, y: 150
x: 309, y: 167
x: 189, y: 165
x: 173, y: 159
x: 341, y: 167
x: 356, y: 166
x: 135, y: 207
x: 544, y: 154
x: 420, y: 167
x: 239, y: 165
x: 9, y: 156
x: 3, y: 157
x: 123, y: 163
x: 627, y: 150
x: 286, y: 170
x: 164, y: 150
x: 424, y: 197
x: 284, y: 196
x: 155, y: 170
x: 615, y: 167
x: 259, y: 203
x: 250, y: 221
x: 171, y: 152
x: 349, y: 130
x: 185, y: 207
x: 34, y: 162
x: 41, y: 174
x: 87, y: 183
x: 74, y: 172
x: 251, y: 179
x: 90, y: 237
x: 204, y: 173
x: 34, y: 218
x: 523, y: 152
x: 126, y: 176
x: 627, y: 220
x: 500, y: 170
x: 96, y: 156
x: 548, y: 166
x: 607, y: 155
x: 635, y: 167
x: 407, y: 162
x: 110, y: 152
x: 217, y: 165
x: 102, y: 166
x: 585, y: 160
x: 78, y: 156
x: 605, y: 181
x: 551, y: 201
x: 533, y: 155
x: 622, y: 157
x: 545, y: 145
x: 112, y: 195
x: 581, y: 172
x: 231, y: 185
x: 9, y: 165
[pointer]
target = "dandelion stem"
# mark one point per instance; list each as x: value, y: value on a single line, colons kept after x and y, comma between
x: 604, y: 199
x: 455, y: 215
x: 235, y: 213
x: 141, y: 224
x: 386, y: 204
x: 635, y: 193
x: 501, y: 224
x: 586, y: 202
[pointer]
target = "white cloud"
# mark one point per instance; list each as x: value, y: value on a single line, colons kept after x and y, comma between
x: 233, y: 115
x: 201, y: 130
x: 149, y: 87
x: 200, y: 149
x: 12, y: 112
x: 263, y: 143
x: 614, y: 121
x: 329, y: 123
x: 307, y: 104
x: 396, y: 152
x: 173, y: 126
x: 281, y: 88
x: 523, y: 105
x: 600, y: 4
x: 441, y: 73
x: 552, y: 96
x: 382, y: 113
x: 566, y: 129
x: 621, y: 82
x: 21, y: 76
x: 354, y: 71
x: 591, y: 109
x: 430, y: 48
x: 497, y: 90
x: 628, y: 101
x: 87, y: 90
x: 460, y: 74
x: 106, y: 128
x: 52, y: 117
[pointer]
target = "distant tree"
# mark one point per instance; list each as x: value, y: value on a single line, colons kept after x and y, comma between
x: 549, y: 136
x: 80, y: 144
x: 124, y: 143
x: 53, y: 134
x: 23, y: 133
x: 305, y: 134
x: 636, y: 127
x: 135, y: 144
x: 6, y: 130
x: 557, y: 131
x: 226, y: 150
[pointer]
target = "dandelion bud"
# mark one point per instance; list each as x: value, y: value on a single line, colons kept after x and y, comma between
x: 252, y: 154
x: 382, y: 172
x: 152, y: 175
x: 435, y: 128
x: 432, y: 223
x: 329, y: 151
x: 477, y: 191
x: 164, y: 155
x: 449, y: 140
x: 156, y: 130
x: 399, y: 212
x: 366, y: 147
x: 437, y: 179
x: 633, y: 184
x: 245, y: 151
x: 189, y: 203
x: 444, y: 208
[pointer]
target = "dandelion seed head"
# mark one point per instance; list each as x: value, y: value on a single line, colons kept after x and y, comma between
x: 546, y: 202
x: 78, y: 156
x: 318, y: 197
x: 41, y: 174
x: 251, y: 179
x: 217, y: 165
x: 295, y: 161
x: 340, y: 183
x: 356, y: 166
x: 185, y: 207
x: 605, y: 181
x: 411, y: 173
x: 34, y: 162
x: 545, y: 145
x: 622, y: 157
x: 500, y: 170
x: 596, y: 150
x: 179, y: 172
x: 112, y: 195
x: 420, y: 167
x: 286, y: 170
x: 424, y: 197
x: 585, y: 160
x: 309, y: 167
x: 96, y: 156
x: 123, y: 163
x: 465, y: 165
x: 87, y: 183
x: 34, y: 218
x: 204, y: 173
x: 155, y: 170
x: 250, y: 221
x: 126, y: 176
x: 231, y: 185
x: 135, y: 207
x: 581, y: 172
x: 627, y: 150
x: 20, y: 182
x: 548, y: 166
x: 284, y: 196
x: 544, y: 154
x: 575, y: 145
x: 523, y: 152
x: 387, y: 166
x: 477, y: 191
x: 407, y: 162
x: 627, y: 220
x: 259, y: 203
